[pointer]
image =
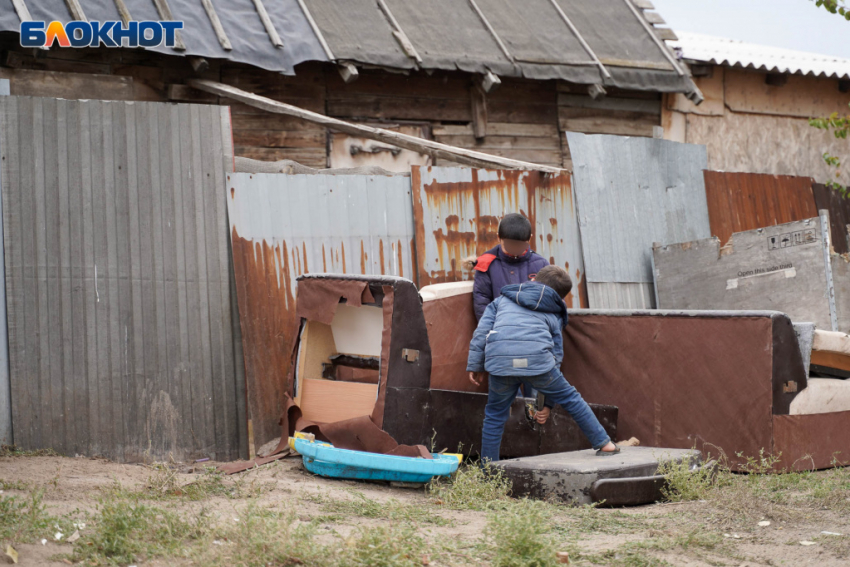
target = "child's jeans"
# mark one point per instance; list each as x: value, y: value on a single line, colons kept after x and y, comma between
x: 557, y: 390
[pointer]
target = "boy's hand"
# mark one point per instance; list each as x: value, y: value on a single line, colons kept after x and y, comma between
x: 476, y: 377
x: 542, y: 416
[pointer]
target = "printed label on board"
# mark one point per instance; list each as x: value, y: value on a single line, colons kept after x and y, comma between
x: 789, y: 239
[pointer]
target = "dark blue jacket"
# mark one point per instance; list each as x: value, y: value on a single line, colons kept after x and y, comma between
x: 520, y: 333
x: 494, y: 270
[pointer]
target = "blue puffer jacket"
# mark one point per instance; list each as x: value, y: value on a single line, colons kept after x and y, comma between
x: 520, y: 332
x: 495, y: 269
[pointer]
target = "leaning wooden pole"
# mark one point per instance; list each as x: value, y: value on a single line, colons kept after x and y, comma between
x: 434, y: 149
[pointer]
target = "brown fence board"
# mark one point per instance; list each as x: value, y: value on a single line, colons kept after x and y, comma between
x: 839, y: 215
x: 738, y: 202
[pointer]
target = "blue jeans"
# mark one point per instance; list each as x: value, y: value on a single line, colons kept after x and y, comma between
x: 554, y: 386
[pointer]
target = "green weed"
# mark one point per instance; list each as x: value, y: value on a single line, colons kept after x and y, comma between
x: 472, y: 488
x: 387, y: 546
x: 521, y: 536
x: 360, y: 505
x: 26, y: 519
x: 124, y: 532
x: 14, y: 451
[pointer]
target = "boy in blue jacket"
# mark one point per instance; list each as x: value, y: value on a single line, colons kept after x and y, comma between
x: 519, y: 341
x: 511, y: 262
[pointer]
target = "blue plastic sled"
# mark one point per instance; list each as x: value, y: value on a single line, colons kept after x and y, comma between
x: 326, y: 460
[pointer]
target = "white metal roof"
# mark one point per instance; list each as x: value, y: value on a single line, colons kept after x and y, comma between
x: 734, y: 53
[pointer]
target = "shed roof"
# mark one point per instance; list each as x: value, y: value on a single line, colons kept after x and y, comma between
x: 608, y: 42
x: 733, y: 53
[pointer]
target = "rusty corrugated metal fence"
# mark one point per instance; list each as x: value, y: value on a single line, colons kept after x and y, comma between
x: 121, y: 335
x: 457, y: 213
x: 738, y: 202
x: 283, y: 226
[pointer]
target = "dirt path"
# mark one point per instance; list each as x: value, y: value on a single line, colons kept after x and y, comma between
x: 723, y: 530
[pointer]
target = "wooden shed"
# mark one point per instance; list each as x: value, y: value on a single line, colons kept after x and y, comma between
x: 502, y: 77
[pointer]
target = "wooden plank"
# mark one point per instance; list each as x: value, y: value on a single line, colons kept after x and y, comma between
x: 184, y: 93
x: 654, y: 18
x: 499, y: 129
x: 608, y: 103
x: 123, y: 12
x: 601, y: 124
x: 280, y: 139
x: 267, y: 23
x: 434, y: 149
x: 216, y: 24
x: 713, y: 91
x: 22, y: 10
x: 25, y: 82
x: 328, y: 401
x: 478, y: 101
x: 804, y: 97
x: 395, y: 108
x: 311, y: 157
x: 831, y: 360
x: 164, y: 12
x: 666, y: 34
x: 502, y: 142
x: 76, y: 10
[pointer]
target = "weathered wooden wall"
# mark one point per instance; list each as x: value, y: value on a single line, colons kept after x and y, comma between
x: 750, y: 126
x: 521, y: 119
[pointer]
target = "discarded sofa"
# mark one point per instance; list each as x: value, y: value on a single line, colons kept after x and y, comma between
x: 374, y: 346
x: 724, y: 382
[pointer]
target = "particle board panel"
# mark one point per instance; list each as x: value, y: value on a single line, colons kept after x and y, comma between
x: 778, y: 268
x: 328, y: 401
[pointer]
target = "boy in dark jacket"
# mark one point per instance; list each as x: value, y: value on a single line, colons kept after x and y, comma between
x: 519, y: 341
x: 512, y: 262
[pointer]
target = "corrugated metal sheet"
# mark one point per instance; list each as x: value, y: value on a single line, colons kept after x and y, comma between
x: 613, y: 295
x: 118, y: 279
x: 839, y: 215
x: 457, y: 214
x: 738, y: 202
x: 249, y: 39
x: 632, y: 192
x: 283, y: 226
x: 733, y: 53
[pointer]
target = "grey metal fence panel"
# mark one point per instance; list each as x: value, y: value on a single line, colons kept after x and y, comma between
x: 632, y: 192
x: 118, y: 276
x: 283, y: 226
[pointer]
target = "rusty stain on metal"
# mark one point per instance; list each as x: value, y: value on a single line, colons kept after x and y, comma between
x: 266, y: 333
x: 462, y: 208
x: 381, y: 254
x: 400, y: 260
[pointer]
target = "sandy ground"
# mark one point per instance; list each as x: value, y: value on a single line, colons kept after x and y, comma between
x: 73, y: 486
